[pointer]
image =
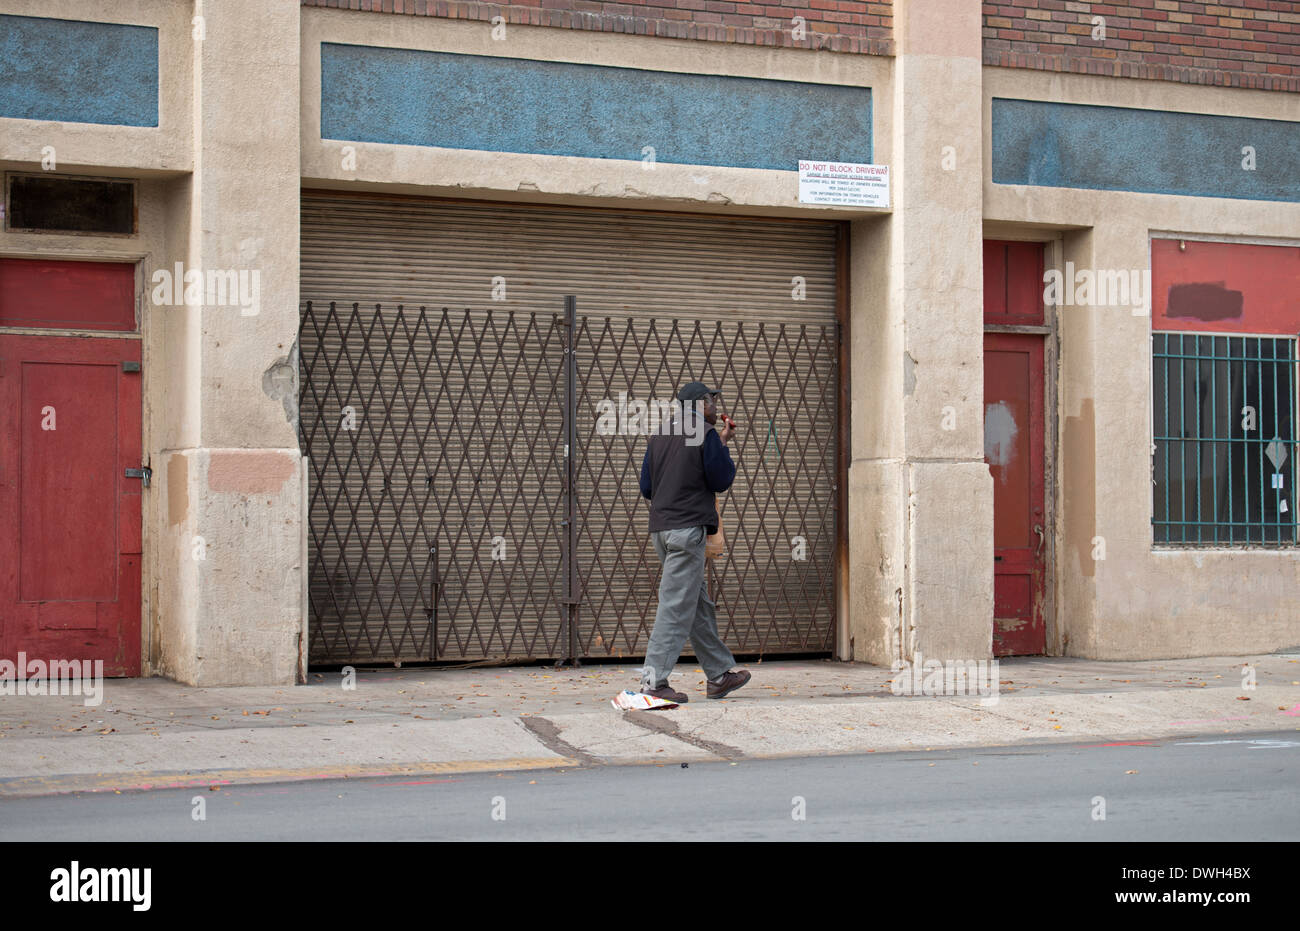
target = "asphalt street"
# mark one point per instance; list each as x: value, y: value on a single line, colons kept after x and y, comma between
x: 1241, y: 788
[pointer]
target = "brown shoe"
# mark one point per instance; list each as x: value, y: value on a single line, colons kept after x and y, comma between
x: 727, y: 683
x: 667, y: 694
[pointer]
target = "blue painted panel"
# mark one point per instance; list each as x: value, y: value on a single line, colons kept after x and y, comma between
x: 514, y: 105
x: 1151, y: 151
x: 78, y: 72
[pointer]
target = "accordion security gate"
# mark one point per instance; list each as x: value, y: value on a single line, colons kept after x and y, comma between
x: 449, y: 522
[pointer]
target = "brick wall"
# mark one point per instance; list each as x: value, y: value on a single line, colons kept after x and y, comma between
x: 833, y: 25
x: 1237, y: 43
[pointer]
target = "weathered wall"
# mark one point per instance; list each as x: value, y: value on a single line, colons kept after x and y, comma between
x: 221, y: 175
x: 139, y: 134
x: 921, y: 519
x: 214, y: 196
x: 1054, y: 144
x: 1140, y: 602
x: 916, y: 283
x: 877, y: 495
x: 938, y: 261
x: 78, y: 72
x: 447, y: 171
x: 244, y: 472
x: 424, y: 98
x: 157, y: 155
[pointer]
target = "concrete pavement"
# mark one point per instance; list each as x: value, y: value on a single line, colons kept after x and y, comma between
x: 152, y: 733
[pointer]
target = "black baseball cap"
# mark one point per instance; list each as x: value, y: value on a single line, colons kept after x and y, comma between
x: 695, y: 391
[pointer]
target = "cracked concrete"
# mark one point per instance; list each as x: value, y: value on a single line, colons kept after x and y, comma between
x: 154, y: 732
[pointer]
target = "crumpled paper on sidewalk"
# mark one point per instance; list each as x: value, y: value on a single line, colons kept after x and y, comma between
x: 628, y: 700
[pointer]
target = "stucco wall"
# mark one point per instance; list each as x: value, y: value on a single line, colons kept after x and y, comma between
x: 920, y: 496
x: 1139, y: 602
x: 244, y: 216
x: 1054, y: 144
x: 220, y: 186
x: 213, y: 195
x: 497, y: 104
x: 90, y: 93
x: 437, y: 171
x: 78, y: 72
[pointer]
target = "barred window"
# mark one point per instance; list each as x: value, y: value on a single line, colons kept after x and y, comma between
x: 1225, y: 442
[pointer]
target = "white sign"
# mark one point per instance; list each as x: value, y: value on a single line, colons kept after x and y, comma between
x: 843, y: 184
x: 1276, y: 452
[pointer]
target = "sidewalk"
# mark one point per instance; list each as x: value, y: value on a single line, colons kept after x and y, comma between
x: 154, y: 733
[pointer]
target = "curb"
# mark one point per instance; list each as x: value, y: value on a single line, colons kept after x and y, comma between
x: 36, y: 786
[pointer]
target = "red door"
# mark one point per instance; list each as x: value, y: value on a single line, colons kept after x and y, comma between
x: 70, y: 519
x: 1013, y: 448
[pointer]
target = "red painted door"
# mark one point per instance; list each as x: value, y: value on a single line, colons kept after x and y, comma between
x: 70, y: 520
x: 1013, y: 448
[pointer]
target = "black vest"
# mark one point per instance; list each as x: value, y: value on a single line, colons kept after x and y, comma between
x: 680, y: 496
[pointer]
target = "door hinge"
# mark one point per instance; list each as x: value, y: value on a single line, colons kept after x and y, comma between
x: 144, y: 472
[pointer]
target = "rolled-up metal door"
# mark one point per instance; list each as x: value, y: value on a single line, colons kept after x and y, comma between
x: 436, y: 520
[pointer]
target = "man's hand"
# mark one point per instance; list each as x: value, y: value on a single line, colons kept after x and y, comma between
x: 728, y: 430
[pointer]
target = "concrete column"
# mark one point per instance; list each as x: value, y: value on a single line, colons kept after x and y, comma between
x: 229, y: 605
x: 1105, y: 568
x: 1076, y: 570
x: 921, y: 497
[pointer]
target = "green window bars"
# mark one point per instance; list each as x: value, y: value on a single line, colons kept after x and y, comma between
x: 1223, y: 411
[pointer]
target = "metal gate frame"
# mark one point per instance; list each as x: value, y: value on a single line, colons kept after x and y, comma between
x: 428, y: 606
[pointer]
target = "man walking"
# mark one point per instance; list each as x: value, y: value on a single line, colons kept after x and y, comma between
x: 681, y: 479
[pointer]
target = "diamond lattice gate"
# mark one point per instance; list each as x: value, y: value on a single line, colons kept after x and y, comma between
x: 775, y: 589
x: 447, y: 521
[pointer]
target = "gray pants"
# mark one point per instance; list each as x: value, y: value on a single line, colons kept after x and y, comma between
x: 685, y: 610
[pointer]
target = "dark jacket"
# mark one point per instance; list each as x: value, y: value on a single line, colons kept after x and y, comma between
x: 681, y: 480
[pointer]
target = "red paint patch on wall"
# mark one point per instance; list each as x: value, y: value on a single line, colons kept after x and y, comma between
x: 1208, y: 302
x: 67, y: 295
x: 249, y: 472
x: 1225, y: 287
